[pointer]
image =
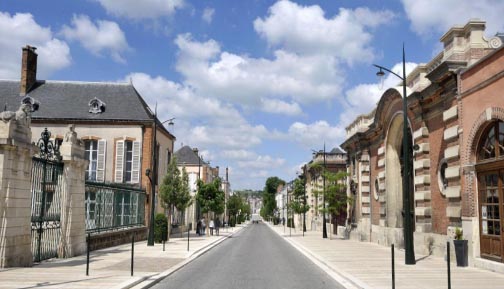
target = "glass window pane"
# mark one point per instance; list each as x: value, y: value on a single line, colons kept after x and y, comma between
x: 497, y: 228
x: 501, y: 138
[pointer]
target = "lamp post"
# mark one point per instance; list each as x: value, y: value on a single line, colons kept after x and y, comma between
x: 407, y: 160
x: 150, y: 239
x: 303, y: 178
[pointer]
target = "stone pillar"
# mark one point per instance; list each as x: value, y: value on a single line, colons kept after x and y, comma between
x: 16, y: 153
x: 73, y: 219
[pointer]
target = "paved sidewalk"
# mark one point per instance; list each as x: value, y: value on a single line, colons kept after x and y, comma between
x: 110, y: 268
x: 368, y: 265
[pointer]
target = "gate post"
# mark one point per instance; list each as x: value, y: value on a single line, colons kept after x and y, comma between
x: 16, y: 153
x: 73, y: 219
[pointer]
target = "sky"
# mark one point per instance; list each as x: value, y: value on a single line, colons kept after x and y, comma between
x: 255, y: 85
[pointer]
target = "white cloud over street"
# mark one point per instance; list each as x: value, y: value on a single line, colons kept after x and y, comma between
x: 20, y: 29
x: 97, y: 38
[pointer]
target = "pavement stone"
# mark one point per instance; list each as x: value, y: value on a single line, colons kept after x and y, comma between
x: 110, y: 267
x: 368, y: 265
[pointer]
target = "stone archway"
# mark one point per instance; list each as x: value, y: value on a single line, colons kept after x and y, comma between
x: 393, y: 179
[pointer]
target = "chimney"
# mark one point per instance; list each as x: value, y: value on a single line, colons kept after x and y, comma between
x: 227, y: 174
x: 195, y: 150
x: 28, y: 69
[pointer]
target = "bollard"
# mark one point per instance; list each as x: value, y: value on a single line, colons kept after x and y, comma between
x: 87, y: 258
x: 164, y: 241
x: 132, y: 252
x: 448, y: 261
x: 188, y: 230
x: 393, y: 268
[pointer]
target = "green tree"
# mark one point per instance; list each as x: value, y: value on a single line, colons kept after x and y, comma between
x: 169, y: 190
x: 269, y: 202
x: 210, y: 197
x: 335, y: 190
x: 297, y: 202
x: 234, y: 204
x: 184, y: 199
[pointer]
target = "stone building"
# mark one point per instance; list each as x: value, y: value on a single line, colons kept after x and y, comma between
x: 197, y: 168
x: 115, y: 125
x: 335, y: 161
x: 455, y: 118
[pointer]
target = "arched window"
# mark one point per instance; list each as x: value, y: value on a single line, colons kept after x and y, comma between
x: 492, y: 143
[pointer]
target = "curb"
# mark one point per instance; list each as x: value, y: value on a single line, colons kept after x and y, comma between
x: 345, y: 280
x: 151, y: 280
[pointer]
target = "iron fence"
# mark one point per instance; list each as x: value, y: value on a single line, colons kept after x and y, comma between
x: 112, y: 207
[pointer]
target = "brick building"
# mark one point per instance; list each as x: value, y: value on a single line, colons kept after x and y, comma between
x: 455, y: 115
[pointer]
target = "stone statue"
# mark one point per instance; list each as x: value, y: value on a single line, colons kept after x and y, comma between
x: 71, y: 135
x: 21, y: 115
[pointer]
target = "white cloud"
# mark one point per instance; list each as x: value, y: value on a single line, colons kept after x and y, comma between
x: 313, y: 136
x: 215, y: 123
x: 97, y: 38
x: 428, y: 21
x: 238, y: 154
x: 306, y: 30
x: 363, y: 98
x: 208, y: 14
x: 247, y: 81
x: 280, y: 107
x: 20, y: 29
x: 262, y: 163
x: 144, y: 9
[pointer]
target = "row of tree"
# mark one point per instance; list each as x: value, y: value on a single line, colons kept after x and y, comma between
x: 334, y: 193
x: 174, y: 193
x: 238, y: 208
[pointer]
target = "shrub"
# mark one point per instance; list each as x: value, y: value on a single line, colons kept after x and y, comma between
x: 290, y: 223
x: 160, y: 228
x: 459, y: 234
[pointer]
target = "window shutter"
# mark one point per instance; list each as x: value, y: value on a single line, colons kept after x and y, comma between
x: 119, y: 162
x: 100, y: 166
x: 135, y: 166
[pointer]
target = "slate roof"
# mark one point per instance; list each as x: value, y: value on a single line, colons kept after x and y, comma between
x: 186, y: 155
x: 70, y: 100
x: 336, y: 151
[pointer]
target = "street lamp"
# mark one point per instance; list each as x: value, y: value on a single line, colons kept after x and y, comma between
x: 324, y: 227
x: 407, y: 160
x: 302, y: 177
x: 150, y: 239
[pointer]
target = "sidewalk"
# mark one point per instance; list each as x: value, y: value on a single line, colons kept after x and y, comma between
x: 110, y: 268
x: 368, y: 265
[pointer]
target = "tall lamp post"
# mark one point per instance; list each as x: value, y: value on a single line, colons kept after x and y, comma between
x: 407, y: 160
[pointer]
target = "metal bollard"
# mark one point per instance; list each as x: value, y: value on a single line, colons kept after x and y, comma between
x: 448, y: 263
x: 132, y: 252
x: 188, y: 230
x: 87, y: 258
x: 164, y: 245
x: 393, y: 268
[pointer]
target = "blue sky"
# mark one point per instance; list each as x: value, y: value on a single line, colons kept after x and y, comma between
x: 255, y: 85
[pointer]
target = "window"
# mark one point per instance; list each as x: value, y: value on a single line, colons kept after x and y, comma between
x: 91, y: 154
x: 442, y: 180
x: 90, y: 210
x: 127, y: 161
x: 492, y: 145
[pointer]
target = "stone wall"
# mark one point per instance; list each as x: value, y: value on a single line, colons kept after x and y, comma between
x: 114, y: 238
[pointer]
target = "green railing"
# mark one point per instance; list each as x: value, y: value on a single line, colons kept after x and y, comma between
x: 112, y: 207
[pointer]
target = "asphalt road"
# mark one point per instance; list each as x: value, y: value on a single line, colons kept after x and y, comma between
x: 256, y: 257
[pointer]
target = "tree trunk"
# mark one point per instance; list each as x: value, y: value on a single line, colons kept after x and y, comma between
x: 208, y: 224
x: 169, y: 224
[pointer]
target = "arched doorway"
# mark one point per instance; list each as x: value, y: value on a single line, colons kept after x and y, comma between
x: 393, y: 179
x: 394, y: 167
x: 490, y: 172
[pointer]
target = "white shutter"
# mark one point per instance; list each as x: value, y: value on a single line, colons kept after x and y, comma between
x: 119, y: 162
x: 135, y: 164
x: 100, y: 162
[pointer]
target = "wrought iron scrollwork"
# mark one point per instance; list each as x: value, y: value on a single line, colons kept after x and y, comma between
x: 48, y: 149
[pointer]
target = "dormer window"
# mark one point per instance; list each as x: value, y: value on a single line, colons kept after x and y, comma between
x: 96, y: 106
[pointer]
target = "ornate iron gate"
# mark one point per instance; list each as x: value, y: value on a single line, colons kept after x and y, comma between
x: 46, y: 187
